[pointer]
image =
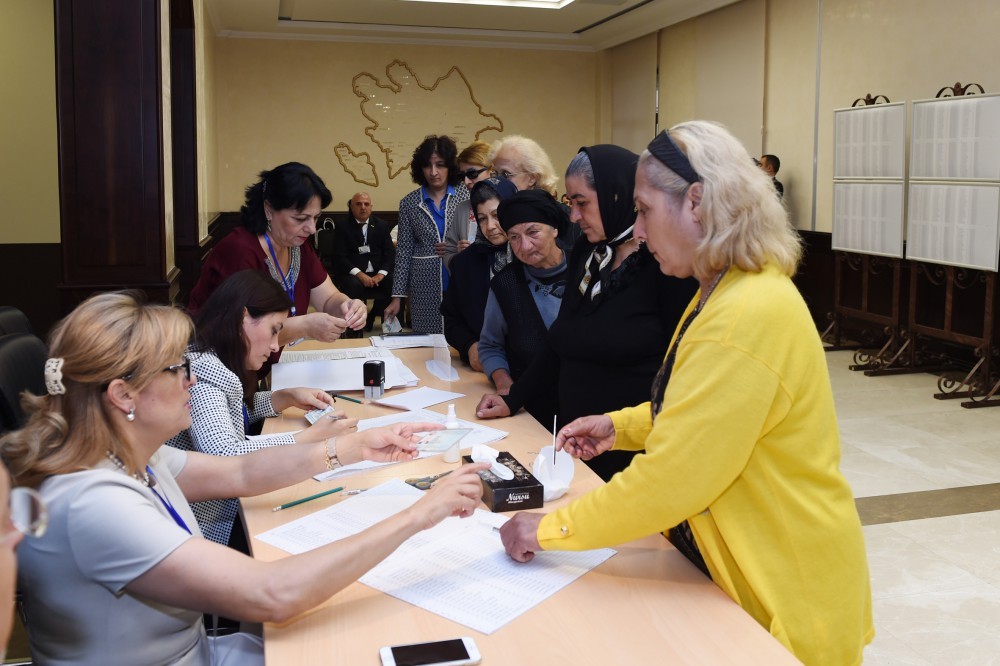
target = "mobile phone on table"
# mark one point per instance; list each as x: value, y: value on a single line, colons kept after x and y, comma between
x: 454, y: 652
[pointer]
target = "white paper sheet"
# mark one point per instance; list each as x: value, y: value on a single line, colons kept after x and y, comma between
x: 458, y: 569
x: 409, y: 341
x: 344, y: 374
x: 480, y: 435
x: 424, y: 396
x: 368, y: 353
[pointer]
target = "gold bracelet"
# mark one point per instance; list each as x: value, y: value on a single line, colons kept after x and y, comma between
x: 332, y: 462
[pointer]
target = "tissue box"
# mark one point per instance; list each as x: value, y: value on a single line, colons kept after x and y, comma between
x: 524, y: 491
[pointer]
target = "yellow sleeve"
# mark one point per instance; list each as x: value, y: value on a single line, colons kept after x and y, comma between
x: 632, y: 427
x: 719, y: 401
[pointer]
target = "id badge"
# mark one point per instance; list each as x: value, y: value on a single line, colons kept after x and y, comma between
x: 364, y: 249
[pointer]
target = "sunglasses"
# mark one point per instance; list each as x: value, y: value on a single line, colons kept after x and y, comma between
x: 472, y: 174
x: 506, y: 175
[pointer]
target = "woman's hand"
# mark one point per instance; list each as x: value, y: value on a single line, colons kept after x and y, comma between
x: 457, y: 494
x: 303, y: 398
x: 395, y: 443
x: 474, y: 361
x: 327, y: 427
x: 440, y: 249
x: 520, y: 536
x: 392, y: 309
x: 355, y: 313
x: 462, y: 244
x: 324, y: 327
x: 492, y: 406
x: 587, y: 437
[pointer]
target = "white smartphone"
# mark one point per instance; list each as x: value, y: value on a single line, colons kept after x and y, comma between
x: 455, y: 652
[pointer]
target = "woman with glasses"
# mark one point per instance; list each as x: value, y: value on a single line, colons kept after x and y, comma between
x: 473, y: 167
x: 425, y: 215
x: 122, y: 574
x: 525, y: 296
x: 235, y: 333
x: 615, y: 286
x: 523, y: 162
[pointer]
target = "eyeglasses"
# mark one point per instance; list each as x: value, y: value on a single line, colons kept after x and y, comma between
x: 506, y: 175
x: 28, y: 513
x: 185, y: 365
x: 472, y: 174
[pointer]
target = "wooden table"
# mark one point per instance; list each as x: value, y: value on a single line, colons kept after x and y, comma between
x: 646, y: 605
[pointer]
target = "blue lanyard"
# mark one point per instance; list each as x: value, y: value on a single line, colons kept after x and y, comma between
x: 246, y: 421
x: 170, y: 507
x: 288, y: 284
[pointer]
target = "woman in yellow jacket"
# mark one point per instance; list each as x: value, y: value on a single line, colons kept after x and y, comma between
x: 742, y: 448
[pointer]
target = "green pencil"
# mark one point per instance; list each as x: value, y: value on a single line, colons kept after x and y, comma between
x: 344, y: 397
x: 306, y: 499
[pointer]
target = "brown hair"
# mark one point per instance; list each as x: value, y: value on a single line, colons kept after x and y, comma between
x: 107, y: 337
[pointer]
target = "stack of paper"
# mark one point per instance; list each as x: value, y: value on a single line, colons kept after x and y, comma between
x: 457, y: 569
x: 337, y: 370
x: 408, y: 340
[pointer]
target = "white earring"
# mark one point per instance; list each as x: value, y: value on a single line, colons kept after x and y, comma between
x: 131, y: 415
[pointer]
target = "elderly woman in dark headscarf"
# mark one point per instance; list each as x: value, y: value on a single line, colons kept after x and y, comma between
x: 525, y: 296
x: 618, y: 313
x: 472, y: 269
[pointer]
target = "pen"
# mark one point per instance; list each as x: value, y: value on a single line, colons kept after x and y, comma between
x: 295, y: 342
x: 306, y: 499
x: 344, y: 397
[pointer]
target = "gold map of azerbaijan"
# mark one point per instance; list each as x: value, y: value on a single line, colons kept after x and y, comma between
x: 398, y: 109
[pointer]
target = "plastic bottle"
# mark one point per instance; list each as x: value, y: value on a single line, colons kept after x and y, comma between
x: 453, y: 454
x: 451, y: 421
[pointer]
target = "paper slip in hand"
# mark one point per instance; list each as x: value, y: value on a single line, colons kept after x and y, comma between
x: 555, y: 477
x: 480, y: 435
x: 418, y: 398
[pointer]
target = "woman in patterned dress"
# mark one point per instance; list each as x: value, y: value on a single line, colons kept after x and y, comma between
x: 236, y: 331
x: 425, y: 215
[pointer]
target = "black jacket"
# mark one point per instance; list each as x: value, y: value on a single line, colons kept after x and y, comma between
x: 349, y: 239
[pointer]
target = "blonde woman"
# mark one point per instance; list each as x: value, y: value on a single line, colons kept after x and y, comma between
x: 123, y: 575
x: 522, y: 161
x: 740, y: 433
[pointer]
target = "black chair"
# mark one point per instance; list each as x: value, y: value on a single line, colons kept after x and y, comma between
x: 22, y: 368
x: 13, y: 320
x: 324, y: 248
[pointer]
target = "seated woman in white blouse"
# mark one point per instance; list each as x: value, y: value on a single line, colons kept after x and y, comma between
x: 123, y: 575
x: 235, y: 333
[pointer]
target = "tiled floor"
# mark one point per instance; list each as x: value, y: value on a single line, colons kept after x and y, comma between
x: 935, y: 581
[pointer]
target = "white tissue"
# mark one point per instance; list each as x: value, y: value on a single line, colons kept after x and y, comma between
x: 487, y: 454
x: 555, y: 478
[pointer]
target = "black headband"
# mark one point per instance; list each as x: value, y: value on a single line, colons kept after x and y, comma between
x: 532, y: 206
x: 664, y: 149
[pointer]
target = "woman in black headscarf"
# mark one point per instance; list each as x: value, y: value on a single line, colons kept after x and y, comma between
x: 618, y: 312
x: 472, y: 269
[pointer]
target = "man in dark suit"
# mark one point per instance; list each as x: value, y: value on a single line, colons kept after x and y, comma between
x: 364, y: 255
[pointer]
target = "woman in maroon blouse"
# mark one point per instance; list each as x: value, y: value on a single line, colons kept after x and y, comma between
x: 278, y: 218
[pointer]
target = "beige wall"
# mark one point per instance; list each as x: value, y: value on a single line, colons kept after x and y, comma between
x: 283, y: 100
x: 712, y: 68
x: 633, y: 93
x: 29, y: 168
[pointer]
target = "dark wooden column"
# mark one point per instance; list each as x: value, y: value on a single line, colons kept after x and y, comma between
x: 111, y: 153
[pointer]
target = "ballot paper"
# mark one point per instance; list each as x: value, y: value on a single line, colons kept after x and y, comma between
x: 457, y: 569
x: 480, y: 435
x: 419, y: 398
x: 408, y: 341
x: 342, y: 373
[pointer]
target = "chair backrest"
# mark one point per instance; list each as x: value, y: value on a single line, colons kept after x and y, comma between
x: 22, y: 368
x: 325, y: 242
x: 13, y: 320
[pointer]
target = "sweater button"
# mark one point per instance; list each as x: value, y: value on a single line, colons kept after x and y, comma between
x: 564, y: 529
